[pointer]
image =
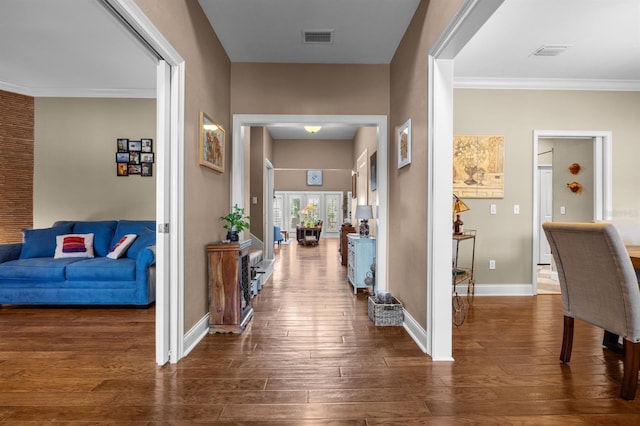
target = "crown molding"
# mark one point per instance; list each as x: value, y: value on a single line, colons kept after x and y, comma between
x: 62, y: 92
x: 546, y: 84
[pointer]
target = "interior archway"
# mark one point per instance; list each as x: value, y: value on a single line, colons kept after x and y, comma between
x: 242, y: 121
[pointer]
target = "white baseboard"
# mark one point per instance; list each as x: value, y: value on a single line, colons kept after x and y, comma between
x: 498, y: 289
x: 195, y: 335
x: 417, y: 333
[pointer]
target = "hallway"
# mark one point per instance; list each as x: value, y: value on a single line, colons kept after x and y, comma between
x: 310, y: 355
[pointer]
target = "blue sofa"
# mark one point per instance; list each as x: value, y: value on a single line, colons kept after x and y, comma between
x: 30, y: 275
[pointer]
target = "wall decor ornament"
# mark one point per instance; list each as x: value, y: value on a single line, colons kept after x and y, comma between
x: 575, y: 187
x: 404, y: 144
x: 314, y: 177
x: 574, y: 169
x: 212, y: 144
x: 478, y: 166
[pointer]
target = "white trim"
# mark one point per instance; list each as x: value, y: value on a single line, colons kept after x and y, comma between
x: 417, y: 333
x: 136, y: 19
x: 267, y: 224
x: 463, y: 26
x: 602, y: 180
x: 240, y: 121
x: 163, y: 242
x: 497, y: 290
x: 198, y: 332
x: 545, y: 84
x: 75, y: 92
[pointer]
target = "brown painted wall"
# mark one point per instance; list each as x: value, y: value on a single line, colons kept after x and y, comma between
x: 407, y: 186
x: 258, y: 88
x: 206, y: 192
x: 16, y: 165
x: 292, y: 159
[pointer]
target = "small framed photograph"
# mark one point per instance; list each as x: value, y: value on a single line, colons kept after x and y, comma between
x: 147, y: 145
x: 146, y: 157
x: 122, y: 169
x: 123, y: 145
x: 135, y: 146
x: 134, y: 157
x: 122, y: 157
x: 146, y: 169
x: 211, y: 144
x: 404, y: 144
x: 134, y: 169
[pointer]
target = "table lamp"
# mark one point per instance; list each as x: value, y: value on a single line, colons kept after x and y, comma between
x: 364, y: 213
x: 458, y: 206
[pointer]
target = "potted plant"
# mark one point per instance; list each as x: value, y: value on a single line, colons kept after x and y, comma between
x: 236, y: 222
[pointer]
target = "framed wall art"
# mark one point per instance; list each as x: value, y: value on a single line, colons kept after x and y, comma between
x: 354, y: 185
x: 478, y: 166
x: 404, y: 144
x: 373, y: 171
x: 122, y: 145
x: 135, y: 146
x: 147, y: 145
x: 134, y: 157
x: 211, y: 144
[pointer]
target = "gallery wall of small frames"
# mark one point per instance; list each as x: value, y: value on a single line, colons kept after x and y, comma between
x: 134, y: 157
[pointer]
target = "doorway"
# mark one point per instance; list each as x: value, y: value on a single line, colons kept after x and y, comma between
x: 241, y: 124
x: 561, y: 149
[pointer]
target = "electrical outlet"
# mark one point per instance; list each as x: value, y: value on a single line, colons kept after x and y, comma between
x: 516, y: 209
x: 563, y: 210
x: 492, y: 264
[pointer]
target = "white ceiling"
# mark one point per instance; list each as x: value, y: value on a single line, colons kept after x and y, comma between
x: 70, y: 48
x: 77, y: 48
x: 603, y: 35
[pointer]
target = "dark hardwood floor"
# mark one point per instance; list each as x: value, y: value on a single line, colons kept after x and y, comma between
x: 310, y: 355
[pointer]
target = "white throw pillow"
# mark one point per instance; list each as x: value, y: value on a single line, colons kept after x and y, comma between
x: 74, y: 245
x: 120, y: 248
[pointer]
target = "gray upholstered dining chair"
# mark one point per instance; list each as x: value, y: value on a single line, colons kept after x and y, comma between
x: 599, y: 286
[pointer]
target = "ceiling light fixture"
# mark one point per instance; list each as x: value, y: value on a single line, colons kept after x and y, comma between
x: 312, y: 129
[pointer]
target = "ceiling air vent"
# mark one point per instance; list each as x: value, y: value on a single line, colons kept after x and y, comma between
x: 550, y: 49
x: 317, y: 36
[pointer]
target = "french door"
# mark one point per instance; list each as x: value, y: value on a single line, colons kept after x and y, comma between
x: 298, y: 206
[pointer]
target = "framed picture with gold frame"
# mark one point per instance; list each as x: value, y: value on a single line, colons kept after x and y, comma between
x: 212, y: 144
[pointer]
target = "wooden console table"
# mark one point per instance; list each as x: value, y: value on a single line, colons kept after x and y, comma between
x: 308, y: 234
x: 229, y: 286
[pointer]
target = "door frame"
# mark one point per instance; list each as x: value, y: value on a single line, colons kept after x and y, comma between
x: 169, y: 180
x: 241, y: 122
x: 602, y: 181
x: 539, y: 174
x: 436, y: 340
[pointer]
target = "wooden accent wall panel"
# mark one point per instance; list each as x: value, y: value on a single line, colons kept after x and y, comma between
x: 16, y: 165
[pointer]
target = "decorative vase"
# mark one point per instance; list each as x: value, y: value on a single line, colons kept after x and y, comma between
x: 233, y: 236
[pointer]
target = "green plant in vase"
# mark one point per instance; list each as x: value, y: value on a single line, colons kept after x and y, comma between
x: 236, y: 222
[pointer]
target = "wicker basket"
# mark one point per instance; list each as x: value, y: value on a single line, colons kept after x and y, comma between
x: 385, y: 311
